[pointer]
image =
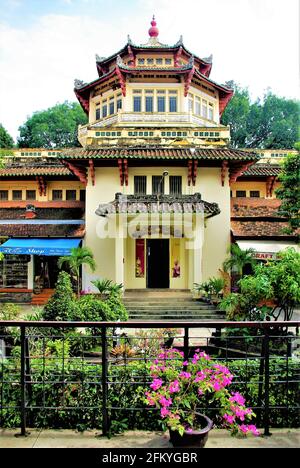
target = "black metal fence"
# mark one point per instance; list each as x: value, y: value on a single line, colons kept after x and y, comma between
x: 37, y: 360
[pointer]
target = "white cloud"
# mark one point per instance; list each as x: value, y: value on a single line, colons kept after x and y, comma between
x: 254, y: 42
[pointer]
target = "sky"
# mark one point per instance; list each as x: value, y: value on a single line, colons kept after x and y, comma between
x: 46, y: 44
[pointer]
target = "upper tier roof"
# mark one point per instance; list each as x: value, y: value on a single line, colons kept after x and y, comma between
x: 154, y: 45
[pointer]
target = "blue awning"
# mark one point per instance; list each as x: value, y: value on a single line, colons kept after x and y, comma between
x: 47, y: 247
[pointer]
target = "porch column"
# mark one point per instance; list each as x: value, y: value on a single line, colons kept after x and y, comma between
x: 119, y: 251
x: 198, y: 246
x: 30, y: 273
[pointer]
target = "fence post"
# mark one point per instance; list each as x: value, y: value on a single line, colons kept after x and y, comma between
x: 267, y: 384
x: 23, y: 381
x: 186, y: 343
x: 105, y: 428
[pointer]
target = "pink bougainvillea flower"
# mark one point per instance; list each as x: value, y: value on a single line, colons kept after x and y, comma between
x: 156, y: 384
x: 185, y: 375
x: 254, y: 430
x: 230, y: 419
x: 186, y: 363
x: 164, y: 412
x: 238, y: 398
x: 165, y: 401
x: 217, y: 387
x: 174, y: 387
x: 244, y: 429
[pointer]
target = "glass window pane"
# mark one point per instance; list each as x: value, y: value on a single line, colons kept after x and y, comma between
x: 173, y: 104
x: 241, y: 193
x: 137, y: 104
x: 104, y: 111
x: 158, y: 185
x: 161, y: 104
x: 175, y: 185
x: 71, y: 195
x: 140, y: 185
x: 17, y: 194
x: 57, y: 194
x: 30, y: 195
x: 111, y: 107
x: 3, y: 195
x: 149, y: 104
x: 98, y: 114
x: 254, y: 194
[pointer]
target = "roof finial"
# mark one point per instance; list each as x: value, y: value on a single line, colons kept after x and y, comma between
x: 153, y: 31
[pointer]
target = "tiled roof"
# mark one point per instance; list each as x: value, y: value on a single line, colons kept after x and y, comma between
x: 132, y: 204
x: 42, y: 213
x: 40, y: 230
x: 160, y: 153
x: 252, y: 229
x: 262, y: 170
x: 254, y: 208
x: 22, y: 171
x: 47, y: 204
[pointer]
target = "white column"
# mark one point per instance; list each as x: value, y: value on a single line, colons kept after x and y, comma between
x: 119, y: 252
x: 30, y: 273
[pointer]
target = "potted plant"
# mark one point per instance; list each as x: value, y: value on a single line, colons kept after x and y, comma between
x: 217, y: 286
x: 179, y: 387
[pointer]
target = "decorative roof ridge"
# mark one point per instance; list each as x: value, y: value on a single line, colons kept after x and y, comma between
x: 226, y: 88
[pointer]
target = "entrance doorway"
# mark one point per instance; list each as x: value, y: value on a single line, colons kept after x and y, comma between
x: 158, y: 264
x: 46, y: 272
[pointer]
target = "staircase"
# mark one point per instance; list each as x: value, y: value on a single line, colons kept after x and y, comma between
x: 168, y: 305
x: 42, y: 298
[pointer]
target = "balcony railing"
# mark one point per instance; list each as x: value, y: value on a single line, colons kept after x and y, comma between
x: 62, y: 372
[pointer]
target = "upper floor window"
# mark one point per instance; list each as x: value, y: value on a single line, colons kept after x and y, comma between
x: 175, y: 185
x: 82, y: 196
x: 158, y: 185
x: 141, y: 61
x: 3, y: 195
x: 140, y: 185
x: 17, y: 195
x: 57, y: 195
x: 119, y: 102
x: 254, y: 193
x: 98, y: 113
x: 111, y: 106
x: 191, y: 103
x: 161, y: 104
x: 149, y: 103
x: 159, y: 61
x: 172, y: 103
x: 71, y: 195
x: 150, y: 61
x: 104, y: 109
x: 241, y: 193
x: 204, y: 109
x: 197, y: 106
x: 30, y: 195
x: 211, y: 112
x: 168, y: 61
x: 137, y: 104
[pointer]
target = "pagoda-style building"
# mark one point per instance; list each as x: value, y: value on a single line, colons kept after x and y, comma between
x: 154, y: 156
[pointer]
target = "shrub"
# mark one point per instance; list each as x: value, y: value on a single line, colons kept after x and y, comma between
x: 62, y: 305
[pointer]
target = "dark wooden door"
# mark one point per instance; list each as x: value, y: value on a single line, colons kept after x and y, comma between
x: 158, y: 258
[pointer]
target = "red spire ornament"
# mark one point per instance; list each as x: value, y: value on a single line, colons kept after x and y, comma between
x: 153, y: 31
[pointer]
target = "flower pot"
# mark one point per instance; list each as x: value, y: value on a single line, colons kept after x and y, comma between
x: 193, y: 439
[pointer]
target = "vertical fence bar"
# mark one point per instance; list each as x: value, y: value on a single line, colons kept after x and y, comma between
x: 105, y: 428
x: 186, y: 343
x: 23, y: 381
x: 267, y: 384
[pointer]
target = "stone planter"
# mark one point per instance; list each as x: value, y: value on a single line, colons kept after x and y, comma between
x: 195, y: 439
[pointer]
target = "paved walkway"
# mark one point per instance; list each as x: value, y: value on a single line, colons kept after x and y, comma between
x: 281, y: 438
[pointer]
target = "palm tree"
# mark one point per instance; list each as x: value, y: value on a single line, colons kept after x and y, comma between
x: 239, y: 259
x: 79, y: 256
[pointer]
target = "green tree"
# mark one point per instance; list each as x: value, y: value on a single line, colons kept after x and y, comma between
x: 78, y: 258
x: 289, y: 192
x: 272, y: 122
x: 6, y: 140
x: 55, y: 127
x: 236, y: 115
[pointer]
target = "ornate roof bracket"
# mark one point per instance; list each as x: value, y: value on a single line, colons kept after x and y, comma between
x: 77, y: 171
x: 92, y: 170
x: 42, y: 185
x: 120, y: 76
x: 84, y: 102
x: 224, y: 100
x: 189, y: 77
x: 270, y: 185
x: 190, y: 172
x: 195, y: 171
x: 123, y: 171
x: 238, y: 171
x: 131, y: 55
x: 224, y: 172
x: 177, y: 56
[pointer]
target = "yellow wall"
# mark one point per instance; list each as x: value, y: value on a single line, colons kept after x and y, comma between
x: 24, y: 185
x: 217, y: 231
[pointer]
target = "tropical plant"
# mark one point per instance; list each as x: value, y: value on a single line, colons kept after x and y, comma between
x: 178, y: 387
x: 217, y: 285
x: 107, y: 287
x: 239, y: 259
x: 79, y: 256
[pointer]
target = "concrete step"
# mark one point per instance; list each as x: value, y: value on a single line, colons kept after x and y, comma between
x: 202, y: 318
x: 168, y: 307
